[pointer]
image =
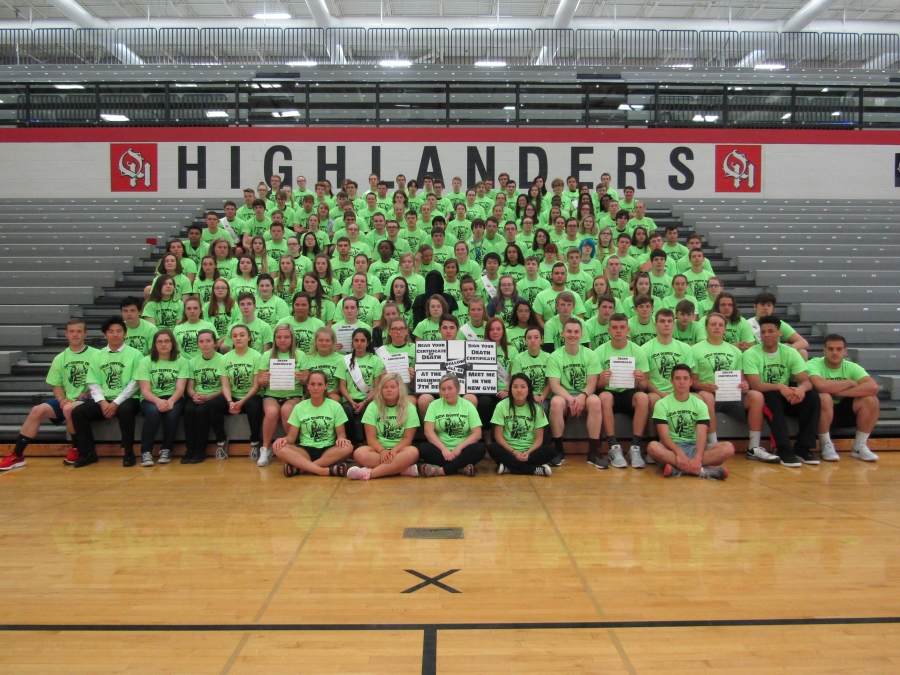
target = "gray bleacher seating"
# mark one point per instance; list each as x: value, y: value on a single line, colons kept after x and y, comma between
x: 56, y: 314
x: 823, y: 275
x: 70, y: 264
x: 865, y: 313
x: 38, y: 295
x: 840, y: 294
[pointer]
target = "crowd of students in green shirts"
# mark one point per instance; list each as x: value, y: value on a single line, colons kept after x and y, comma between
x: 330, y: 281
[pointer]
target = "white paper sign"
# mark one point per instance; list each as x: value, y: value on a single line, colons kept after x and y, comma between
x: 344, y: 335
x: 397, y: 363
x: 431, y: 351
x: 428, y: 380
x: 729, y: 385
x: 281, y: 375
x: 470, y: 361
x: 481, y: 382
x: 622, y: 368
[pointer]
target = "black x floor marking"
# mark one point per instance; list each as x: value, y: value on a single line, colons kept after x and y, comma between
x: 431, y: 581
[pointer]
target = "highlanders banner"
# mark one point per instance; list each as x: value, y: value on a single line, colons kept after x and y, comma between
x: 664, y: 163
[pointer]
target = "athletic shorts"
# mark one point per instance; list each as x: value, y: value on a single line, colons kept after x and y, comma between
x: 622, y: 401
x: 61, y: 419
x: 282, y: 401
x: 689, y: 448
x: 314, y: 453
x: 732, y: 408
x: 843, y: 414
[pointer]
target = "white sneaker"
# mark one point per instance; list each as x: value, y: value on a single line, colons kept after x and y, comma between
x: 265, y: 454
x: 617, y: 457
x: 146, y: 459
x: 829, y: 454
x: 863, y: 453
x: 254, y: 451
x: 502, y: 470
x: 758, y: 454
x: 165, y: 456
x: 412, y: 471
x: 222, y: 450
x: 634, y: 456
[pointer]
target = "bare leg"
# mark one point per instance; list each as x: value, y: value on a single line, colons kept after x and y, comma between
x: 333, y: 395
x: 32, y: 423
x: 661, y: 453
x: 641, y: 404
x: 718, y: 453
x: 299, y: 458
x: 710, y: 402
x: 557, y: 420
x: 651, y: 404
x: 867, y: 409
x: 286, y: 411
x: 423, y: 403
x: 594, y: 416
x: 471, y: 398
x: 606, y: 410
x: 754, y: 402
x: 403, y: 459
x: 826, y: 412
x: 271, y: 412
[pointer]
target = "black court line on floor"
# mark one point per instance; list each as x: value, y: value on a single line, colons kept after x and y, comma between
x: 557, y: 625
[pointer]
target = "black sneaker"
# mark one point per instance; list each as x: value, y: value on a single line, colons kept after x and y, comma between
x: 187, y: 458
x: 598, y: 461
x: 805, y: 456
x: 788, y: 458
x: 129, y: 459
x: 86, y: 460
x: 558, y: 459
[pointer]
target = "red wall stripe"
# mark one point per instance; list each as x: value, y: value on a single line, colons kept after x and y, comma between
x: 424, y: 135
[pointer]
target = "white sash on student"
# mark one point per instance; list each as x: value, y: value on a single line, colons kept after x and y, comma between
x: 382, y: 352
x: 357, y: 375
x: 230, y: 230
x: 502, y: 373
x: 488, y: 286
x: 469, y: 332
x: 754, y: 324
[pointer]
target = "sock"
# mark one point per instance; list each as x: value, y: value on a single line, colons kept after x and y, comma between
x: 612, y: 441
x: 557, y: 445
x: 592, y: 445
x: 711, y: 438
x: 861, y: 438
x: 636, y: 440
x: 23, y: 441
x: 826, y: 438
x: 755, y: 439
x: 75, y: 441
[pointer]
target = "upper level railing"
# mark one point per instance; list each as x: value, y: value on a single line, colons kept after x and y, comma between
x: 463, y: 46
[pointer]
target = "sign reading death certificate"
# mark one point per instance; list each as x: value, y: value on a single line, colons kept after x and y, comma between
x: 473, y: 362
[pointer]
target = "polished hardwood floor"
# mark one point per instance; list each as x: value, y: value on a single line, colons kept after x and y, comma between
x: 227, y: 568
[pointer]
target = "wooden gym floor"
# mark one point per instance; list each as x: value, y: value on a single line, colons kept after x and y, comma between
x: 225, y: 568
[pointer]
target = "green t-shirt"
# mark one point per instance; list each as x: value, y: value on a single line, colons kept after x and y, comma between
x: 663, y: 358
x: 533, y: 367
x: 260, y: 333
x: 529, y: 289
x: 387, y: 431
x: 619, y: 288
x: 333, y: 365
x: 598, y: 333
x: 240, y: 285
x: 223, y: 319
x: 186, y: 336
x: 69, y: 370
x: 342, y: 270
x: 241, y: 371
x: 427, y: 329
x: 373, y: 286
x: 304, y: 332
x: 660, y: 287
x: 203, y: 288
x: 415, y: 283
x: 553, y: 333
x: 681, y: 417
x: 272, y: 311
x: 712, y: 358
x: 452, y: 424
x: 848, y: 371
x: 384, y: 271
x: 641, y: 333
x: 697, y: 284
x: 606, y: 351
x: 369, y: 310
x: 301, y: 363
x: 207, y: 374
x: 165, y: 314
x: 545, y: 304
x: 141, y: 336
x: 693, y: 334
x: 370, y: 367
x: 162, y: 375
x: 113, y: 370
x: 317, y: 425
x: 676, y: 252
x: 774, y: 368
x: 739, y: 332
x: 572, y: 371
x: 519, y: 426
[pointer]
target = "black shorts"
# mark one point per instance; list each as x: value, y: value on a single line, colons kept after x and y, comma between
x: 282, y: 401
x: 314, y: 453
x: 843, y: 414
x: 622, y: 401
x: 732, y: 408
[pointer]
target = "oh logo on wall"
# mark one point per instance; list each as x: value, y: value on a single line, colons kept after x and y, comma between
x: 133, y: 167
x: 738, y: 168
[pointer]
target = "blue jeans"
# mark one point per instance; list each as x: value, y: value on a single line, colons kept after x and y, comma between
x: 153, y: 418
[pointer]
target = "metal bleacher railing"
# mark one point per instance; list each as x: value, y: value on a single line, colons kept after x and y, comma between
x: 465, y: 46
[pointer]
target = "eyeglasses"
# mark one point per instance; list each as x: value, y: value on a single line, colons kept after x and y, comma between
x: 398, y: 330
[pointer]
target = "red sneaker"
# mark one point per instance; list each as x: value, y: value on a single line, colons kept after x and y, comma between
x: 72, y: 457
x: 11, y: 462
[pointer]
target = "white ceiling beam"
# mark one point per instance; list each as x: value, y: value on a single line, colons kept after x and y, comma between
x: 806, y: 14
x: 321, y: 16
x: 77, y: 14
x: 564, y: 13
